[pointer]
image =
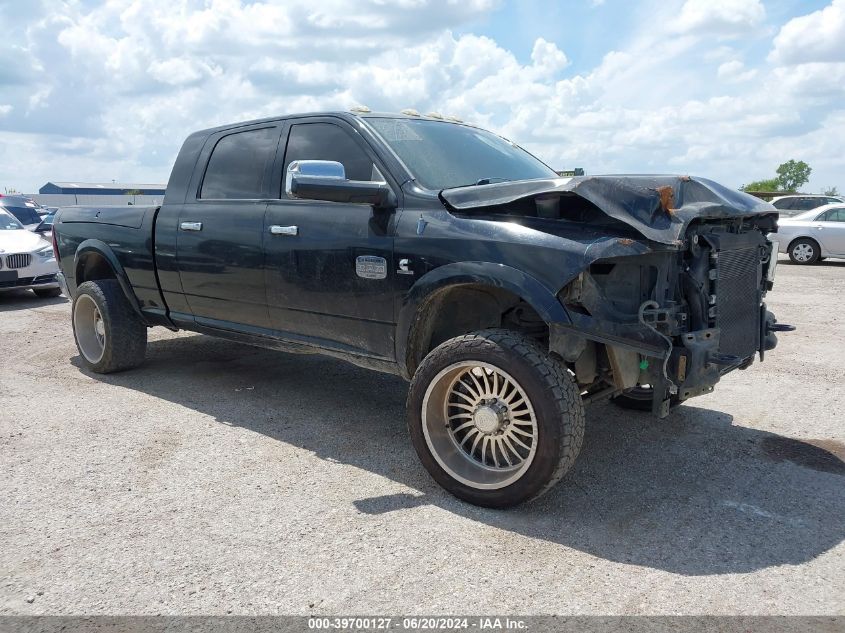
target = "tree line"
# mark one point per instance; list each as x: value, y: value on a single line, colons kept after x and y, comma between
x: 790, y: 176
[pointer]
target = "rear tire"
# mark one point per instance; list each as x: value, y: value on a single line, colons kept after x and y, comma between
x: 47, y: 293
x: 804, y: 251
x: 109, y: 334
x: 494, y: 419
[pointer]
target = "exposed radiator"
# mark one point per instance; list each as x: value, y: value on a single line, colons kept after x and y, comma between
x: 738, y: 301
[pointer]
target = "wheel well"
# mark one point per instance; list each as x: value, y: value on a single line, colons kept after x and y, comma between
x: 465, y: 308
x: 806, y: 239
x: 93, y: 265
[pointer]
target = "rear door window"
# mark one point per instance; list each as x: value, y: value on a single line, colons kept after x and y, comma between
x: 833, y: 215
x: 239, y: 165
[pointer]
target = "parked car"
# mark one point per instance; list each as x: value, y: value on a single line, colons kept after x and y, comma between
x: 510, y: 297
x: 813, y: 235
x: 24, y: 209
x: 27, y: 261
x: 793, y: 205
x: 45, y: 228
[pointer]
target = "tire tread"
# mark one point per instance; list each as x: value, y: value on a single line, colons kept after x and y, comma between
x: 126, y: 333
x: 556, y: 379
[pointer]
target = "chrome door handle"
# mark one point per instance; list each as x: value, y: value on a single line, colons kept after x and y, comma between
x: 191, y: 226
x: 275, y: 229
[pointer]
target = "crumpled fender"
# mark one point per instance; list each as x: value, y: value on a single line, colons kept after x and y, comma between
x: 658, y: 207
x: 534, y: 292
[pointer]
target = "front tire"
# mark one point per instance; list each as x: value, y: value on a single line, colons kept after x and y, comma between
x: 494, y: 419
x: 109, y: 334
x: 804, y: 251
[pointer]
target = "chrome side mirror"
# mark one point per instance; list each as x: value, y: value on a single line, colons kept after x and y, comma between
x: 326, y: 180
x: 328, y: 169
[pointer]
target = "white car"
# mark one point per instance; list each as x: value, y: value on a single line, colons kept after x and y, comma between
x: 24, y: 209
x: 798, y: 203
x: 813, y: 235
x: 27, y: 261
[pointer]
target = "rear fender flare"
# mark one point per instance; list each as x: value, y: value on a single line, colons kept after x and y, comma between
x: 541, y: 298
x: 92, y: 246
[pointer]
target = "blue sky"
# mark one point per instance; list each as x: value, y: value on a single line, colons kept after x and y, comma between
x: 728, y: 89
x: 587, y: 30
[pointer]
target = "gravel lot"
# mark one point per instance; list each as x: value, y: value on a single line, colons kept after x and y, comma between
x: 219, y: 478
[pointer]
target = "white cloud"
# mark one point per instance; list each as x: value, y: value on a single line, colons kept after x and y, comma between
x: 547, y: 58
x: 180, y: 71
x: 814, y: 83
x: 817, y: 37
x: 735, y: 71
x: 111, y: 91
x: 721, y: 17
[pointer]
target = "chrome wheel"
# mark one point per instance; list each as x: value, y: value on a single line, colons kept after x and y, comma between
x: 479, y: 425
x: 803, y: 252
x: 89, y: 328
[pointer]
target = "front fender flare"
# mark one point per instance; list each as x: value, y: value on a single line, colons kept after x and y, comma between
x: 541, y: 298
x: 104, y: 250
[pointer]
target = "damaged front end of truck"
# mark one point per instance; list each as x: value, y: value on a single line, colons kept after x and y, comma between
x: 669, y: 294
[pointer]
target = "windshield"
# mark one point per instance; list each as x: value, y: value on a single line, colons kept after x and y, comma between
x: 443, y: 155
x: 27, y: 215
x: 8, y: 222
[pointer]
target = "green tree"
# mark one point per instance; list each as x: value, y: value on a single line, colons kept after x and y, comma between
x: 831, y: 191
x: 792, y: 174
x: 132, y: 192
x: 771, y: 184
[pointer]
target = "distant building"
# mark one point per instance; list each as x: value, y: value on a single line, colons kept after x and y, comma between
x: 102, y: 188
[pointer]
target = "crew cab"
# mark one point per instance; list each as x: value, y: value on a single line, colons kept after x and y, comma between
x: 508, y: 296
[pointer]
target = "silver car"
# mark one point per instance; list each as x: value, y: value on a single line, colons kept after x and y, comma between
x: 792, y: 205
x: 27, y: 261
x: 813, y: 235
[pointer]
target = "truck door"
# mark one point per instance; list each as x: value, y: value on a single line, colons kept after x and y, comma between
x: 330, y: 271
x: 219, y: 244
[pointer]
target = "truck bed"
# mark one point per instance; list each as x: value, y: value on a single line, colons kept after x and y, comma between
x: 128, y: 216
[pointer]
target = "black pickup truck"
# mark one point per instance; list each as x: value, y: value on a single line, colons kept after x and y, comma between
x: 432, y: 249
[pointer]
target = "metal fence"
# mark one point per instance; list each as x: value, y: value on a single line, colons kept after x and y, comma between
x: 67, y: 199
